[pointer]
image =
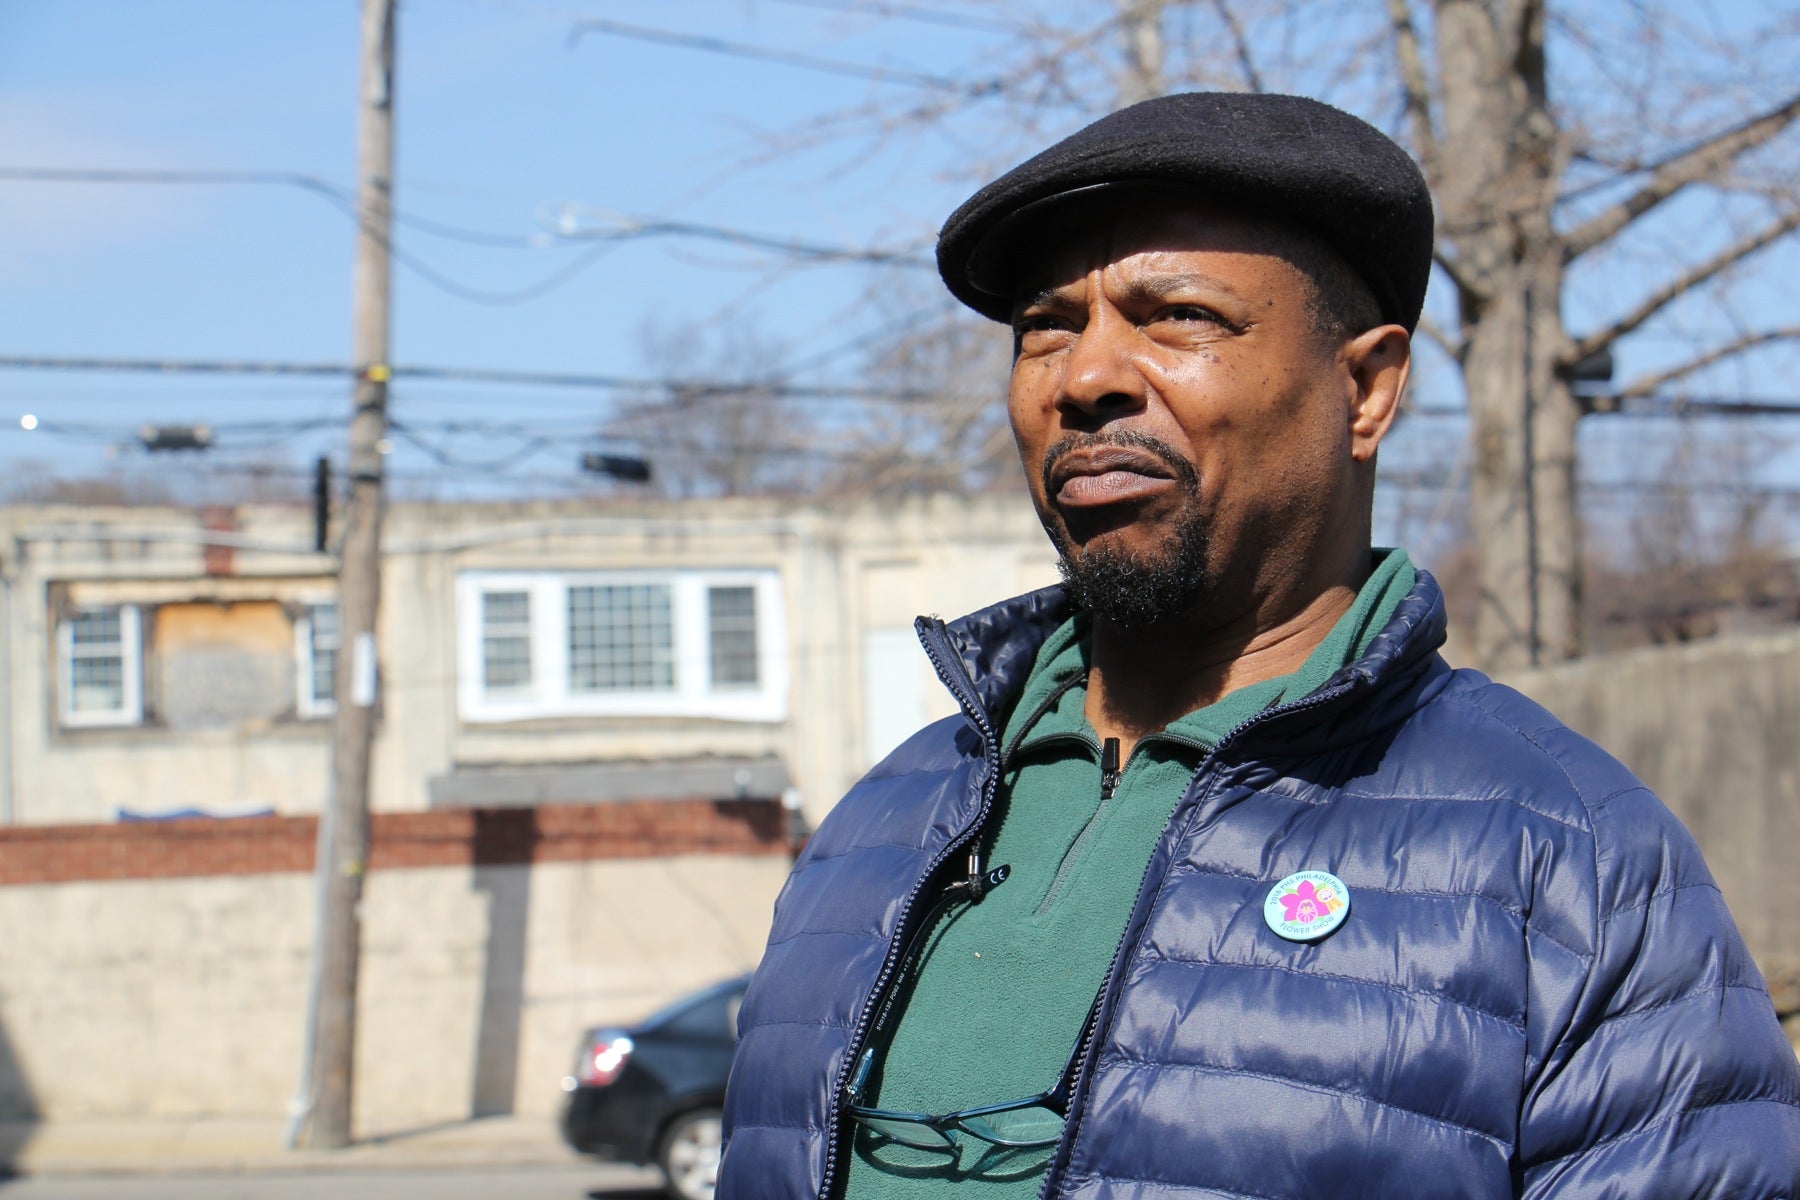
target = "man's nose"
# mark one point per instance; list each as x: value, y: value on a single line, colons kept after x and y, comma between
x: 1101, y: 379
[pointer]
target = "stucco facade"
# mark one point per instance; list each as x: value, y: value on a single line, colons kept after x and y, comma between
x: 213, y: 710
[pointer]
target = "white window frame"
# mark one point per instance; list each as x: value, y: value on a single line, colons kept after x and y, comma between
x: 131, y: 670
x: 692, y: 695
x: 306, y: 704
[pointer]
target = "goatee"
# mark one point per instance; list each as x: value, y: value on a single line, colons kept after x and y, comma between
x: 1133, y: 590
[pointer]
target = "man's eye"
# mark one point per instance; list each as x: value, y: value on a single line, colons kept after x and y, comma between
x: 1190, y: 312
x: 1037, y: 323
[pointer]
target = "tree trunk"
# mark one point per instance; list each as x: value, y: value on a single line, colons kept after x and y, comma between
x: 1522, y: 499
x: 1495, y: 168
x: 1141, y: 72
x: 1556, y: 507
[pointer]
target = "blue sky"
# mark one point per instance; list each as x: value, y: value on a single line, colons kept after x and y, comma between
x: 503, y: 118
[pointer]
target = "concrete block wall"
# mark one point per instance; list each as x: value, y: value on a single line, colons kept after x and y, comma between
x: 1711, y: 728
x: 170, y: 981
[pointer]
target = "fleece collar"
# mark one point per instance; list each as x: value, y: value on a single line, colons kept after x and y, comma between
x: 996, y: 648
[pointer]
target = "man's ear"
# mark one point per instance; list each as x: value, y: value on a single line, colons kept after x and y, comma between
x: 1378, y: 363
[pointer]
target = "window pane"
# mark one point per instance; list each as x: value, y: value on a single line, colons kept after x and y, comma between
x: 98, y: 627
x: 621, y: 638
x: 505, y: 608
x: 97, y: 661
x: 324, y: 647
x: 505, y: 640
x: 731, y: 617
x: 97, y: 683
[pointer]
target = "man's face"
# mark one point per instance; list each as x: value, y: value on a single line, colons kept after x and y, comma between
x: 1185, y: 429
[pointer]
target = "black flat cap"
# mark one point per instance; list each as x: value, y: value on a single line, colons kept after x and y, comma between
x: 1295, y: 158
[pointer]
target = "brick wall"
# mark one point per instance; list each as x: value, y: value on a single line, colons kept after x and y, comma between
x: 457, y: 837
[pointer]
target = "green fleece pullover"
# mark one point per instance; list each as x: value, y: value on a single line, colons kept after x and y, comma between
x: 1003, y: 987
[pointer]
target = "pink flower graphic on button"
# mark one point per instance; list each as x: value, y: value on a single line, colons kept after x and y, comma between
x: 1307, y: 904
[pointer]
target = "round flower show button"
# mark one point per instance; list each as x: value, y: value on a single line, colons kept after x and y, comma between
x: 1307, y: 905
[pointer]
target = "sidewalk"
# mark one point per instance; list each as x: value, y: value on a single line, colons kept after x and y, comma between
x: 236, y: 1145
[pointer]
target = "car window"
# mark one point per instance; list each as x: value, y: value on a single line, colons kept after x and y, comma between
x: 709, y: 1016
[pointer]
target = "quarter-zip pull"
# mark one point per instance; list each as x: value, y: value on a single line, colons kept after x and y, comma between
x: 1109, y: 767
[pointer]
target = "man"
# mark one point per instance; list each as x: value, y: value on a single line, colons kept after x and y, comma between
x: 1224, y: 884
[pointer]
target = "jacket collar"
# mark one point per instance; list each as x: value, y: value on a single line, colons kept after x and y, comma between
x: 997, y: 646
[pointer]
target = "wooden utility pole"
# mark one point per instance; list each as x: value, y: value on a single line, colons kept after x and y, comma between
x: 344, y: 833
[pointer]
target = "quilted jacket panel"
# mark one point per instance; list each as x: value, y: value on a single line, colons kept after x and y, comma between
x: 1538, y: 991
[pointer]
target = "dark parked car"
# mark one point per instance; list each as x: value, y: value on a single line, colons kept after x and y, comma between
x: 651, y: 1092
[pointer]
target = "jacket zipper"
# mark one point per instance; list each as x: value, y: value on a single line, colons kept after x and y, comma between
x: 931, y: 637
x: 1104, y: 1003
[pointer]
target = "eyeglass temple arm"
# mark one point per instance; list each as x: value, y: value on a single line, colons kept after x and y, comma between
x: 1065, y: 1084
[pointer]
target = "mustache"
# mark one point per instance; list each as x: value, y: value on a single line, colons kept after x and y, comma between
x: 1180, y: 468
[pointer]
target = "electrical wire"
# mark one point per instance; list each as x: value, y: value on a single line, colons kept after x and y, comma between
x: 632, y: 227
x: 344, y: 200
x: 904, y: 12
x: 669, y: 386
x: 787, y: 58
x: 337, y: 195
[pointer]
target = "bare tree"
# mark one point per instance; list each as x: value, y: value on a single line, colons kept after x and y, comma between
x: 1600, y: 171
x: 139, y: 481
x: 951, y: 433
x: 1702, y: 547
x: 1515, y: 176
x: 703, y: 439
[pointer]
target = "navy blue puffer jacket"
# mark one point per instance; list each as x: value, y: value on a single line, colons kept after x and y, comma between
x: 1538, y: 991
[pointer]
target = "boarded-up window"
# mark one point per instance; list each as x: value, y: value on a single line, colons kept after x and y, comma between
x: 223, y: 665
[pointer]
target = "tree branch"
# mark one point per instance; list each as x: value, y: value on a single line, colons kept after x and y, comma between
x: 1468, y: 285
x: 1660, y: 299
x: 1650, y: 383
x: 1240, y: 45
x: 1416, y: 86
x: 1431, y: 332
x: 1692, y: 165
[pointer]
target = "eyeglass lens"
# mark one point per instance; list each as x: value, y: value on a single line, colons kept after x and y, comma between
x: 909, y: 1133
x: 1035, y: 1126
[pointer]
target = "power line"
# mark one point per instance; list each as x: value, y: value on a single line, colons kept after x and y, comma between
x: 904, y: 323
x: 690, y: 388
x: 905, y: 12
x: 340, y: 198
x: 788, y: 58
x: 1668, y: 407
x: 621, y: 227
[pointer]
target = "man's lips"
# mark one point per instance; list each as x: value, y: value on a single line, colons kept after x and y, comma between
x: 1107, y: 475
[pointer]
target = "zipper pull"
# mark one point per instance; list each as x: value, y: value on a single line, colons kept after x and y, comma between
x: 1109, y: 767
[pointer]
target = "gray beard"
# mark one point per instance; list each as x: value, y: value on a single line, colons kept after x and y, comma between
x: 1134, y: 591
